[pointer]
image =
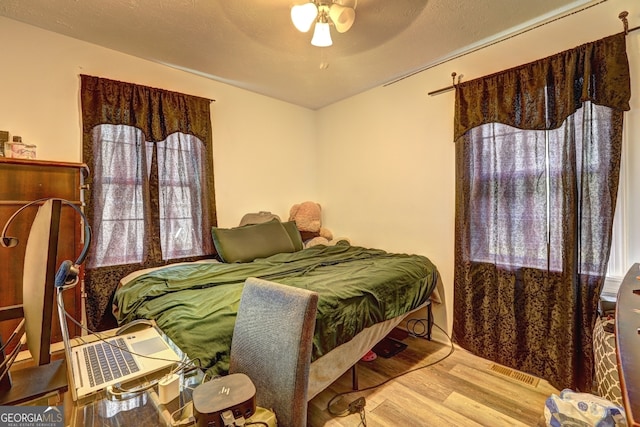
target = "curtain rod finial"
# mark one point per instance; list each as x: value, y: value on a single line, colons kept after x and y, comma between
x: 453, y: 78
x: 623, y: 17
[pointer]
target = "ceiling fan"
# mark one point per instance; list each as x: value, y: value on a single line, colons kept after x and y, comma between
x: 324, y: 13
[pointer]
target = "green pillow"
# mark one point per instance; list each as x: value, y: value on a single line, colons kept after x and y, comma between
x: 244, y: 244
x: 294, y: 234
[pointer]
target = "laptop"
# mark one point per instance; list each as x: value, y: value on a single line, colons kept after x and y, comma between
x: 122, y: 359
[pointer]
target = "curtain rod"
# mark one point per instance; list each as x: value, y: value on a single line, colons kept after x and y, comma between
x: 622, y: 16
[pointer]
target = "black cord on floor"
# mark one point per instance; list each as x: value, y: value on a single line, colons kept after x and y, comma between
x: 344, y: 393
x: 412, y: 325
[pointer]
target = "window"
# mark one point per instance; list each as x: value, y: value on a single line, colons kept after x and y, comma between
x: 181, y: 159
x: 121, y: 181
x: 516, y: 204
x: 508, y: 205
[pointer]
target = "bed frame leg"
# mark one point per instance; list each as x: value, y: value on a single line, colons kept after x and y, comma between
x: 429, y: 321
x: 354, y: 376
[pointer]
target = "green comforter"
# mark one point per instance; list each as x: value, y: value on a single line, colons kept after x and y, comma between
x: 196, y: 304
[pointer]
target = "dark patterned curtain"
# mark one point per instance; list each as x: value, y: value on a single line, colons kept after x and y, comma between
x: 151, y: 187
x: 537, y: 168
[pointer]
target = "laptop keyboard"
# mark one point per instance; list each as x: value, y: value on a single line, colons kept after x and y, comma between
x: 107, y: 362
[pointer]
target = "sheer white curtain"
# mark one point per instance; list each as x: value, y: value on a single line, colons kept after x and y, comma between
x: 182, y: 186
x: 121, y: 188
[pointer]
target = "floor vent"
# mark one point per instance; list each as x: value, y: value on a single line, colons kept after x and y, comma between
x: 516, y: 375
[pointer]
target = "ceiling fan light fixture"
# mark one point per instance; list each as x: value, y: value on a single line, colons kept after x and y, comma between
x: 324, y: 13
x: 342, y: 17
x: 303, y: 15
x: 321, y: 35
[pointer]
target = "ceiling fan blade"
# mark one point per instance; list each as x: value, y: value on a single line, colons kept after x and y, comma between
x: 342, y: 17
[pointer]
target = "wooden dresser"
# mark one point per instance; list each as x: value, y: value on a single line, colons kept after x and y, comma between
x: 628, y: 343
x: 22, y: 181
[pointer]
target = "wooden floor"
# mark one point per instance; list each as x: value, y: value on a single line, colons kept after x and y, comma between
x: 461, y: 390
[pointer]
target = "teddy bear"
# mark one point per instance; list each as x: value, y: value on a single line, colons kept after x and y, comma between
x: 308, y: 219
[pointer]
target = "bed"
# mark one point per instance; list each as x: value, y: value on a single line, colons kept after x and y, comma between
x: 363, y: 294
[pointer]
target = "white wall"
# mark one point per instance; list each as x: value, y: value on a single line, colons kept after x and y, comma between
x: 258, y: 141
x: 387, y: 157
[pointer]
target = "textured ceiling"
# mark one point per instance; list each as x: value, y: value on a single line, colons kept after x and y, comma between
x: 252, y: 43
